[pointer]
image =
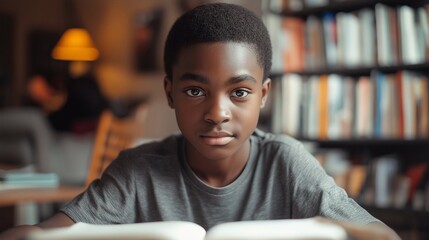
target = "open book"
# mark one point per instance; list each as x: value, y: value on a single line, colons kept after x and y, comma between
x: 308, y: 229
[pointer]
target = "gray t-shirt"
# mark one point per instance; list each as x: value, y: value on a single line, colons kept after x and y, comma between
x: 153, y: 182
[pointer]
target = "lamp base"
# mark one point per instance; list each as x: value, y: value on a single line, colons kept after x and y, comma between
x: 78, y: 68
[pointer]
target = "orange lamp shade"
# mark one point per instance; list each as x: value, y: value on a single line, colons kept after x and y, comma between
x: 75, y: 45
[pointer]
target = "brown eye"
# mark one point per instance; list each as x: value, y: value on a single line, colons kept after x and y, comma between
x: 240, y: 93
x: 194, y: 92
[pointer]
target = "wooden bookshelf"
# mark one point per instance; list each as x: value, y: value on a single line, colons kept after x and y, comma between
x: 409, y: 149
x: 379, y: 71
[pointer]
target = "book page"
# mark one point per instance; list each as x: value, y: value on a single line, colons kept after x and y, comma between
x: 169, y: 230
x: 296, y: 229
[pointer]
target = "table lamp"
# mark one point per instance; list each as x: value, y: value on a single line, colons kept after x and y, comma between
x: 76, y: 45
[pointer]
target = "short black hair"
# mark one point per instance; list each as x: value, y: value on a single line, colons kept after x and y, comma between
x: 218, y: 22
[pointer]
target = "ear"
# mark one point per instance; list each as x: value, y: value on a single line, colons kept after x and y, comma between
x: 168, y: 86
x: 266, y: 86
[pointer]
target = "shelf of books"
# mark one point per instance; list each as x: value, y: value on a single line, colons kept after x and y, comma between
x: 351, y: 77
x: 384, y: 35
x: 333, y: 106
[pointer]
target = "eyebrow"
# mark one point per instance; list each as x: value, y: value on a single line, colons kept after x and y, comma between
x: 193, y: 77
x: 241, y: 78
x: 202, y: 79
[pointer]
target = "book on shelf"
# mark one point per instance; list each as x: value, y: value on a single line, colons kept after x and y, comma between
x: 349, y: 40
x: 291, y: 89
x: 423, y: 113
x: 323, y: 107
x: 409, y: 40
x: 293, y: 52
x: 384, y: 106
x: 394, y: 35
x: 364, y: 107
x: 278, y: 107
x: 312, y: 127
x: 408, y: 105
x: 314, y: 44
x: 330, y: 38
x: 348, y: 101
x: 386, y: 168
x: 401, y: 188
x: 423, y: 32
x: 336, y: 105
x: 357, y: 175
x: 277, y: 37
x: 386, y: 38
x: 303, y: 108
x: 181, y: 230
x: 418, y: 175
x: 368, y: 38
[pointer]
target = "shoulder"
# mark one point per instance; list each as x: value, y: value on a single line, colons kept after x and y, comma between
x: 283, y: 149
x: 276, y: 141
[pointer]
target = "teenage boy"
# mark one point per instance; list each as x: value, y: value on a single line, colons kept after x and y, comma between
x: 220, y: 168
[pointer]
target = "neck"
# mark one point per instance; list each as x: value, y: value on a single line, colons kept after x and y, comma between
x: 218, y: 172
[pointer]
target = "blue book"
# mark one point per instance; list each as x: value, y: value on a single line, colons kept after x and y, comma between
x: 31, y: 179
x: 379, y: 79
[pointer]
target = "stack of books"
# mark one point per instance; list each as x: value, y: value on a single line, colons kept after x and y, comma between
x: 11, y: 180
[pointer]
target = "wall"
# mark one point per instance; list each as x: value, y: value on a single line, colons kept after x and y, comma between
x: 29, y: 15
x: 112, y: 25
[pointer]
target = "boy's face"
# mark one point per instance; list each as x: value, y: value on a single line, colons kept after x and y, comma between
x: 217, y: 91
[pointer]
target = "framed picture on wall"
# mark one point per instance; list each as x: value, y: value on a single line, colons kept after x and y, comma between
x: 39, y: 47
x: 147, y: 33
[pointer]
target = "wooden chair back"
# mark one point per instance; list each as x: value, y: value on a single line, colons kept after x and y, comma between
x: 113, y: 135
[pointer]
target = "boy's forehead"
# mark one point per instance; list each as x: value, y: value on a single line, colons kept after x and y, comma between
x: 215, y: 57
x: 209, y: 52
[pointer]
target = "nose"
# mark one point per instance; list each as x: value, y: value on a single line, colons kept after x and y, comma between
x: 218, y: 111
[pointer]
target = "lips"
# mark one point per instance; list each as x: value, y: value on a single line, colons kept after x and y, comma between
x: 217, y: 138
